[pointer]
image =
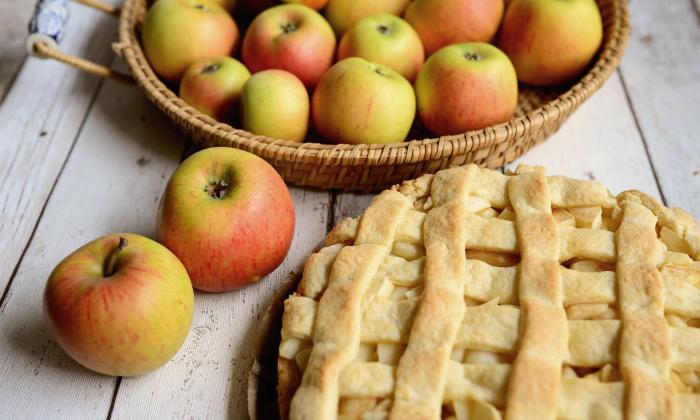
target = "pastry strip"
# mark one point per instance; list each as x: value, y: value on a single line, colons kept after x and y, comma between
x: 534, y: 382
x: 336, y: 335
x: 645, y: 343
x: 422, y: 370
x: 491, y: 327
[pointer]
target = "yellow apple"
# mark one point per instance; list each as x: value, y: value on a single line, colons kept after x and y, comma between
x: 176, y: 33
x: 465, y: 87
x: 275, y: 104
x: 551, y: 41
x: 213, y: 86
x: 442, y: 22
x: 343, y: 14
x: 384, y: 39
x: 358, y: 101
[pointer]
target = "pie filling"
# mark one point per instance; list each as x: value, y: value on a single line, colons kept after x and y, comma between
x: 489, y: 337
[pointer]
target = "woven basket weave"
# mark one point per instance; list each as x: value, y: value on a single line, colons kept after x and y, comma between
x: 540, y: 112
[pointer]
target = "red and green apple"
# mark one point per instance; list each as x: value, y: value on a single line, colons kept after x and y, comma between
x: 551, y: 41
x: 213, y: 86
x: 228, y: 216
x: 465, y: 87
x: 290, y: 37
x: 440, y: 22
x: 120, y: 305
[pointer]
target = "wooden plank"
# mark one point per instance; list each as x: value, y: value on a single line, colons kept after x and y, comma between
x: 661, y: 72
x: 599, y: 141
x: 39, y: 121
x: 208, y: 377
x: 111, y: 183
x: 13, y: 29
x: 350, y: 205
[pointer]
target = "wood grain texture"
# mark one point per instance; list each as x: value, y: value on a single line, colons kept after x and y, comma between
x: 600, y: 141
x: 14, y: 16
x: 349, y: 205
x: 208, y: 377
x: 661, y: 71
x: 39, y: 121
x: 111, y: 183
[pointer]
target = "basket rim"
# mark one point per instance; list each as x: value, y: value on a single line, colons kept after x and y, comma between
x: 407, y: 152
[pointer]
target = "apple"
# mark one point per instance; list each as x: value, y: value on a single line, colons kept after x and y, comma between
x: 440, y: 23
x: 213, y: 86
x: 343, y: 14
x: 465, y: 87
x: 120, y: 305
x: 290, y: 37
x: 275, y: 104
x: 358, y: 102
x: 314, y: 4
x: 178, y: 32
x: 384, y: 39
x: 228, y: 216
x: 551, y: 42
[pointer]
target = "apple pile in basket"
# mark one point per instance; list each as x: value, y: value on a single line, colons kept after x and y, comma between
x: 366, y: 71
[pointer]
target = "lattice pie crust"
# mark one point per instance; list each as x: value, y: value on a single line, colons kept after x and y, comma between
x: 472, y: 294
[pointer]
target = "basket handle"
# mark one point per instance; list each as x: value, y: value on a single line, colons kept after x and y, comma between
x: 47, y: 27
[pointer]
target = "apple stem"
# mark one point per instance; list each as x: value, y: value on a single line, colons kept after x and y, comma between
x: 112, y: 257
x: 217, y: 189
x: 472, y: 56
x: 211, y: 68
x: 288, y: 27
x: 379, y: 71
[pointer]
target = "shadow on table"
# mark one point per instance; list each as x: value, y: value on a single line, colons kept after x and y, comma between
x: 41, y: 353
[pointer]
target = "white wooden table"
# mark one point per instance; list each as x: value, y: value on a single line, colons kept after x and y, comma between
x: 81, y: 157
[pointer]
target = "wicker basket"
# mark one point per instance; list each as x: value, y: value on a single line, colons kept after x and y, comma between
x: 374, y: 167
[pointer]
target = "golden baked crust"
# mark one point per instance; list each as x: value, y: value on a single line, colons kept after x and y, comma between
x: 473, y: 294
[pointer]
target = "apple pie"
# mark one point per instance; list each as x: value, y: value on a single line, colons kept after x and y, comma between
x: 470, y: 294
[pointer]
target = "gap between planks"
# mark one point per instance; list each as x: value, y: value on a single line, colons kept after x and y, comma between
x: 48, y: 196
x: 598, y: 142
x: 641, y: 135
x: 44, y: 112
x: 661, y: 72
x: 114, y: 193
